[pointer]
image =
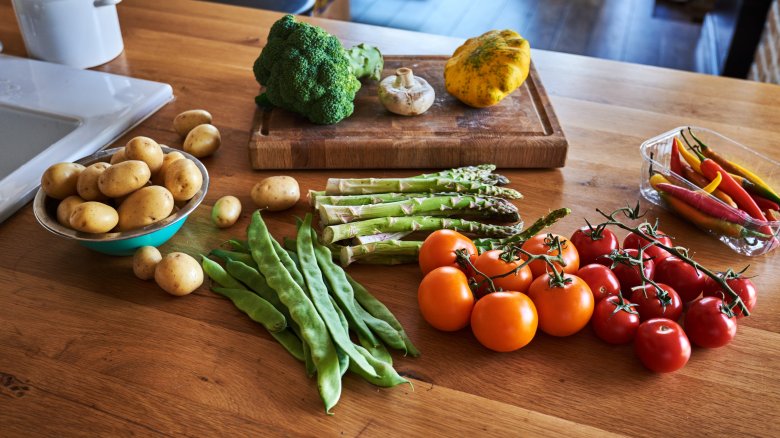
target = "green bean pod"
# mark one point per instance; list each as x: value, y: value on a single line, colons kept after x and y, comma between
x: 343, y: 358
x: 318, y: 293
x: 389, y: 376
x: 233, y: 255
x: 218, y: 274
x: 250, y: 277
x: 383, y: 329
x: 380, y: 351
x: 258, y: 309
x: 289, y: 264
x: 303, y: 312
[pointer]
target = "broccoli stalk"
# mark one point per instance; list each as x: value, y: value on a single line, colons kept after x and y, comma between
x: 306, y: 70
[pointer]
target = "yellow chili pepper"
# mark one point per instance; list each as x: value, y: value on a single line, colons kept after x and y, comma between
x: 689, y: 157
x: 709, y: 188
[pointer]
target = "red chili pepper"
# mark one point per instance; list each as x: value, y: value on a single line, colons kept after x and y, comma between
x: 675, y: 163
x: 773, y: 215
x: 706, y: 222
x: 701, y: 181
x: 764, y: 204
x: 706, y: 204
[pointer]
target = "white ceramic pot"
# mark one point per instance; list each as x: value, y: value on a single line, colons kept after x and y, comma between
x: 78, y: 33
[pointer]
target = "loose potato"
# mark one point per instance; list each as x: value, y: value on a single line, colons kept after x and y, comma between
x: 59, y: 181
x: 118, y: 156
x: 178, y: 274
x: 124, y: 178
x: 145, y: 206
x: 145, y: 261
x: 202, y: 141
x: 147, y: 150
x: 87, y: 185
x: 93, y: 217
x: 65, y: 208
x: 170, y: 157
x: 183, y: 179
x: 184, y: 122
x: 276, y: 193
x: 226, y: 211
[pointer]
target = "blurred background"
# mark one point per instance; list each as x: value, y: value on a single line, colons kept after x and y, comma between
x: 738, y: 38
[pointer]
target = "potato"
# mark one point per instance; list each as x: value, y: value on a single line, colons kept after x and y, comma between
x: 276, y: 193
x: 184, y: 122
x: 59, y: 181
x: 147, y: 150
x: 93, y: 217
x: 178, y: 274
x: 226, y: 211
x: 145, y: 206
x: 87, y: 186
x: 124, y: 178
x: 183, y: 179
x: 202, y: 141
x: 145, y: 261
x: 118, y: 156
x: 170, y: 157
x: 65, y: 209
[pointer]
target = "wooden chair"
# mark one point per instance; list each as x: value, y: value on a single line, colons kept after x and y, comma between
x: 766, y: 63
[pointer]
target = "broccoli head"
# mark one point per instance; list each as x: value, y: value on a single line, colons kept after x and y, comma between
x: 306, y: 70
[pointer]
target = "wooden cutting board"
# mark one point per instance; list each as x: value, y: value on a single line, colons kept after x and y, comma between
x: 520, y: 132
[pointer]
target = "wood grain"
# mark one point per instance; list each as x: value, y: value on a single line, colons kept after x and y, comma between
x: 88, y: 349
x: 519, y: 132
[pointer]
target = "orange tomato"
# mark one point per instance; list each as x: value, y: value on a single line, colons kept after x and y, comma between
x: 439, y: 249
x: 564, y: 310
x: 490, y: 264
x: 445, y: 299
x: 541, y: 244
x: 504, y: 321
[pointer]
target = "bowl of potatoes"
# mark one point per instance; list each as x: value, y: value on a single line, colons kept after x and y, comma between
x: 118, y: 200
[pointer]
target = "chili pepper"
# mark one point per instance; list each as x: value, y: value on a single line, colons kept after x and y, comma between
x: 706, y: 222
x: 701, y: 181
x: 691, y: 159
x: 709, y: 188
x: 764, y: 204
x: 733, y: 167
x: 706, y: 204
x: 674, y: 161
x: 773, y: 215
x: 750, y: 187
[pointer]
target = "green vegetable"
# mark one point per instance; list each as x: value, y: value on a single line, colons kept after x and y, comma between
x: 357, y: 186
x: 306, y: 70
x: 540, y: 224
x: 482, y: 173
x: 319, y: 198
x: 218, y: 274
x: 334, y: 233
x: 255, y: 307
x: 386, y: 252
x: 233, y: 255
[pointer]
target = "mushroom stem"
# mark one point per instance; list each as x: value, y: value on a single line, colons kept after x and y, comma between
x: 405, y: 77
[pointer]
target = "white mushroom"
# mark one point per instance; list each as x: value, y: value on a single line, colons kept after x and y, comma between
x: 406, y: 94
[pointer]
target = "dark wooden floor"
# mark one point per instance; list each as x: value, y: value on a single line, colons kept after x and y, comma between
x: 624, y: 30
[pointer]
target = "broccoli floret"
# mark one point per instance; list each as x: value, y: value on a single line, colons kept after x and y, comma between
x: 306, y: 70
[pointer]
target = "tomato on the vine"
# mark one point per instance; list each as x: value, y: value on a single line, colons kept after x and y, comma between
x: 686, y: 280
x: 439, y: 247
x: 661, y: 345
x: 504, y: 321
x: 601, y: 280
x: 614, y: 320
x: 445, y: 299
x: 628, y: 274
x: 593, y: 244
x: 707, y: 323
x: 633, y: 241
x: 742, y: 286
x: 650, y: 305
x: 491, y: 264
x: 564, y: 309
x: 545, y: 244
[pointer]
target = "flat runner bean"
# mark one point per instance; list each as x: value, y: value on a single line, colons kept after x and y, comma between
x: 258, y: 309
x: 218, y: 274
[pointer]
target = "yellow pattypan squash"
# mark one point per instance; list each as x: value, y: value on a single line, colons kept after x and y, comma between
x: 487, y: 68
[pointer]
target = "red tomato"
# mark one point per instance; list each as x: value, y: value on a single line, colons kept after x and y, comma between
x: 445, y: 299
x: 742, y: 286
x: 504, y: 321
x: 661, y: 345
x: 601, y: 280
x: 563, y: 310
x: 629, y: 275
x: 614, y: 320
x: 686, y: 280
x: 591, y: 246
x: 633, y: 241
x: 707, y: 325
x: 650, y: 305
x: 542, y: 244
x: 490, y: 264
x: 439, y: 249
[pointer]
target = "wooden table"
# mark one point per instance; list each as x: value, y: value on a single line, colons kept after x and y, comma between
x: 87, y: 349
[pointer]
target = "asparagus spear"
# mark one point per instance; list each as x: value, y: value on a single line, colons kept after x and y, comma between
x: 540, y: 224
x: 319, y: 198
x: 386, y: 252
x: 362, y: 240
x: 464, y: 206
x: 482, y: 173
x: 340, y: 186
x: 335, y: 233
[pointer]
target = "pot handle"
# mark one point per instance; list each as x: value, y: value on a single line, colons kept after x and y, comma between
x: 99, y: 3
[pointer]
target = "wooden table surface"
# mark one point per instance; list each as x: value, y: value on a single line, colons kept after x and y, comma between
x: 88, y: 349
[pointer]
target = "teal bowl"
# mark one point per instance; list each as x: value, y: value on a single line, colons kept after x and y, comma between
x: 125, y: 242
